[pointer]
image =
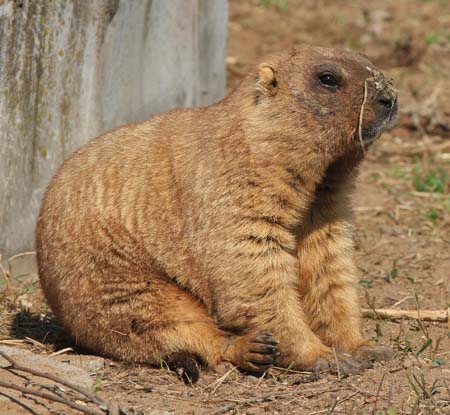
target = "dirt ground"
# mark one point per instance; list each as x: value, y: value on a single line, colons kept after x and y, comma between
x: 402, y: 238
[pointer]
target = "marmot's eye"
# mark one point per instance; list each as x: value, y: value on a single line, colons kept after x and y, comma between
x: 328, y: 79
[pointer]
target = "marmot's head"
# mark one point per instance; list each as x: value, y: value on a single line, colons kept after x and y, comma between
x: 335, y: 99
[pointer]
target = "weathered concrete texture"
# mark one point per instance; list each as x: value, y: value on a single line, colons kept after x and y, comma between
x: 91, y: 364
x: 71, y: 69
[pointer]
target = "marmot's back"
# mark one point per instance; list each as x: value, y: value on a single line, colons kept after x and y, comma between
x: 116, y: 199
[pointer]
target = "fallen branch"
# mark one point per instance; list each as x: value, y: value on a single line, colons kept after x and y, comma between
x: 393, y: 314
x: 219, y: 381
x: 110, y: 407
x: 50, y: 397
x: 80, y: 390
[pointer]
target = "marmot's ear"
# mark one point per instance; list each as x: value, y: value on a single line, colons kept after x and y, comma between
x: 266, y: 81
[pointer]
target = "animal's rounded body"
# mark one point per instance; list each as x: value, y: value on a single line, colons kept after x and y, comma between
x: 221, y: 233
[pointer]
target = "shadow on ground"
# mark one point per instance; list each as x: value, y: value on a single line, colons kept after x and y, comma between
x: 44, y: 329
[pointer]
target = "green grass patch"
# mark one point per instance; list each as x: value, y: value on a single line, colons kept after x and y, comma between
x: 366, y: 283
x: 431, y: 181
x: 278, y: 4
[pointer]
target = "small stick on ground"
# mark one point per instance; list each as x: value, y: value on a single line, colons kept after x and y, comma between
x: 371, y: 303
x: 378, y: 394
x: 56, y: 379
x: 401, y: 301
x: 36, y: 343
x: 337, y: 402
x: 419, y: 319
x: 55, y: 398
x: 219, y: 381
x: 288, y: 370
x: 337, y: 364
x: 19, y: 403
x: 260, y: 380
x: 111, y: 406
x: 12, y: 342
x: 393, y: 314
x: 436, y: 348
x: 62, y: 351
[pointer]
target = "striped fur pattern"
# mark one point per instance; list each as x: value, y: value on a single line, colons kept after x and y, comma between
x: 223, y: 232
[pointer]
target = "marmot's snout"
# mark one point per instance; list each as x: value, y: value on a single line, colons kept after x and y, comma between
x: 382, y: 98
x: 386, y: 106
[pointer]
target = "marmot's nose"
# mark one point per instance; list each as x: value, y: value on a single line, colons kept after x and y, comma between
x: 386, y: 101
x: 387, y: 104
x: 387, y: 98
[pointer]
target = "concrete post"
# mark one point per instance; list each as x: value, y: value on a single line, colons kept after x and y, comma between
x: 71, y: 69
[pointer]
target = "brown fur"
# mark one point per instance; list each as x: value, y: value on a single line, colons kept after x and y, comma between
x: 220, y: 232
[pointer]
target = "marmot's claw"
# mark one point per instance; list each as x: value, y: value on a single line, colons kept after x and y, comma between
x: 258, y: 353
x: 265, y: 348
x: 266, y: 337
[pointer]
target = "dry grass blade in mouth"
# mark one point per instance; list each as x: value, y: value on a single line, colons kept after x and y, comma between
x: 361, y: 115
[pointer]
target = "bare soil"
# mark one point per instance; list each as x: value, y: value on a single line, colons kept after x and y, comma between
x: 402, y: 235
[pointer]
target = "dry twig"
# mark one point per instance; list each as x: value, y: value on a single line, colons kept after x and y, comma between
x: 378, y: 394
x: 50, y: 397
x: 111, y: 408
x: 393, y: 314
x: 219, y: 381
x: 56, y: 379
x: 337, y: 364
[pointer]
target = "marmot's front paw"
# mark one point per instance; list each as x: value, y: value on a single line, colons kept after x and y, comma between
x: 370, y: 354
x: 256, y: 352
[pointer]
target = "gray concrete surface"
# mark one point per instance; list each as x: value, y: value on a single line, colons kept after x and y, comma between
x: 69, y: 70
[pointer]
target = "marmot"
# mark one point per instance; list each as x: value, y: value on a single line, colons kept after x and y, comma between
x: 222, y: 233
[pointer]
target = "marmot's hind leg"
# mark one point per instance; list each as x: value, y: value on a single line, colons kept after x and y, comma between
x: 161, y: 324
